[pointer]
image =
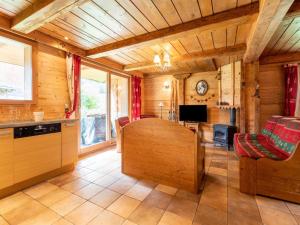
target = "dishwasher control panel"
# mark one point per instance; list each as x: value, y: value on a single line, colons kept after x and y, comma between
x: 28, y: 131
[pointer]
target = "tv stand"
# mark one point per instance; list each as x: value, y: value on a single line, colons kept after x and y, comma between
x: 192, y: 125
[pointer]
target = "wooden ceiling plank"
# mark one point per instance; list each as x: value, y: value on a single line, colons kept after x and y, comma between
x: 191, y: 44
x: 119, y: 14
x: 97, y: 12
x: 14, y: 7
x: 42, y: 12
x: 175, y: 72
x: 295, y: 47
x: 219, y: 38
x: 151, y: 12
x: 206, y: 7
x: 231, y: 32
x: 224, y: 19
x: 269, y: 18
x: 242, y: 33
x: 220, y: 6
x: 131, y: 8
x: 168, y: 11
x: 206, y: 40
x: 169, y: 49
x: 178, y: 46
x: 291, y: 42
x: 277, y: 35
x: 203, y: 55
x: 243, y: 2
x: 92, y: 20
x: 188, y: 10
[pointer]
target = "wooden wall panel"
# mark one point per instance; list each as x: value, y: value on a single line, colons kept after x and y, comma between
x: 52, y: 92
x: 271, y: 81
x: 155, y: 93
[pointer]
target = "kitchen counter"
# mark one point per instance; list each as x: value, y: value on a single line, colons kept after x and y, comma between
x: 12, y: 124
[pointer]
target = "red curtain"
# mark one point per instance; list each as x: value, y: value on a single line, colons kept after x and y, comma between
x: 136, y: 97
x: 76, y: 62
x: 291, y: 83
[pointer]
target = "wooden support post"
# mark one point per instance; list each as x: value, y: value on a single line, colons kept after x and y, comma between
x: 248, y: 175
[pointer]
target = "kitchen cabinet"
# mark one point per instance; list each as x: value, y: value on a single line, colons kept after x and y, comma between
x: 70, y: 142
x: 6, y: 157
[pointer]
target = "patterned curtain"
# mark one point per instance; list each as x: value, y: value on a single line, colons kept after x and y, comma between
x: 291, y: 86
x: 173, y: 101
x: 73, y: 77
x: 136, y: 97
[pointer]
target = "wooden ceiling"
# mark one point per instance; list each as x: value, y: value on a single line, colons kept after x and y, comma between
x: 100, y: 25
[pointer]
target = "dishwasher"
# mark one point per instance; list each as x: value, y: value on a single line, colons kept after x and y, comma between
x: 37, y: 150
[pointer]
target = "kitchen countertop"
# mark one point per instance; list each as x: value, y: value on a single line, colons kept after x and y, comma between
x: 12, y: 124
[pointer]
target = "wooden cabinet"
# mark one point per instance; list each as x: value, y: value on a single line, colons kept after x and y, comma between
x: 6, y: 157
x: 36, y: 155
x: 70, y: 142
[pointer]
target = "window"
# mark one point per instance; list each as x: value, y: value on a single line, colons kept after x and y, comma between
x: 16, y: 70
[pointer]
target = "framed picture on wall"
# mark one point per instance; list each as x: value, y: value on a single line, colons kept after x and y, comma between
x: 201, y: 87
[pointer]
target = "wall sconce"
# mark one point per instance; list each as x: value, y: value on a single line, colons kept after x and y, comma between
x: 166, y: 85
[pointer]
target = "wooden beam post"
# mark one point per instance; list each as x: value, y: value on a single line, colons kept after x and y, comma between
x: 41, y: 12
x: 231, y: 17
x: 271, y: 14
x: 293, y: 57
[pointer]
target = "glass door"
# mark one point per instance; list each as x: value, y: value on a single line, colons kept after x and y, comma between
x: 93, y: 106
x: 119, y: 98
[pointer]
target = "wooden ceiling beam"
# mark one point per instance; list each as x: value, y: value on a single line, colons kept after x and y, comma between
x: 208, y: 54
x: 271, y: 14
x: 281, y: 58
x: 178, y: 72
x: 41, y: 12
x: 227, y: 18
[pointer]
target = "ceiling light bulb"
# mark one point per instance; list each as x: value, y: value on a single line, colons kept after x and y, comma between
x: 66, y: 38
x: 156, y: 59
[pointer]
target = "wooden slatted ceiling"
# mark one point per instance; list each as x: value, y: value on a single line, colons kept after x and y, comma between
x: 99, y: 22
x: 286, y: 39
x: 230, y: 36
x: 13, y: 7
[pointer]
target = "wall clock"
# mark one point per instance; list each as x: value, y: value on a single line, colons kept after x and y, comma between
x: 201, y: 87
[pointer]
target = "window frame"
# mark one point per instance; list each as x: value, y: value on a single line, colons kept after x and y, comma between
x: 34, y: 53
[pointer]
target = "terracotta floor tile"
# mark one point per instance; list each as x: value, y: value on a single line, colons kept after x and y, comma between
x: 172, y: 219
x: 62, y: 221
x: 107, y: 218
x: 83, y: 214
x: 238, y: 218
x: 272, y: 203
x: 81, y: 172
x: 3, y: 221
x: 53, y: 197
x: 124, y: 206
x: 271, y: 216
x: 47, y: 217
x: 122, y: 185
x: 66, y: 205
x: 166, y: 189
x: 27, y: 211
x: 63, y: 179
x: 158, y: 199
x: 207, y: 215
x: 147, y: 183
x: 146, y: 215
x: 89, y: 191
x: 106, y: 181
x: 215, y: 198
x: 183, y: 208
x: 217, y: 171
x: 75, y: 185
x: 139, y: 192
x: 127, y: 222
x: 188, y: 196
x: 105, y: 198
x: 13, y: 202
x: 40, y: 189
x: 93, y: 176
x: 294, y: 208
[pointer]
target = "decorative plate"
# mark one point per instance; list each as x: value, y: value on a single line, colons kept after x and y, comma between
x: 201, y: 87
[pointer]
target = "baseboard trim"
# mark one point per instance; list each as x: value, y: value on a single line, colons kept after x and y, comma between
x: 35, y: 180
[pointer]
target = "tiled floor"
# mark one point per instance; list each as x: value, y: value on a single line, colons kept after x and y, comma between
x: 97, y: 193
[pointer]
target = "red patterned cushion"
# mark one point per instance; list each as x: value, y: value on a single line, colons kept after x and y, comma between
x: 270, y: 125
x: 123, y: 121
x: 257, y: 146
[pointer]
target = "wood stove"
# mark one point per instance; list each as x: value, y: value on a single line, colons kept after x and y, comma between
x: 224, y: 133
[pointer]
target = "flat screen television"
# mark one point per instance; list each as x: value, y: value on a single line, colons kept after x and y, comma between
x: 193, y: 113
